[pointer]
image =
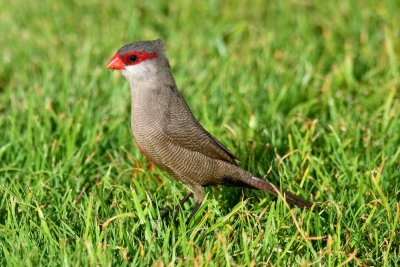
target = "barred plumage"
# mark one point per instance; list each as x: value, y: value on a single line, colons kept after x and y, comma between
x: 168, y: 133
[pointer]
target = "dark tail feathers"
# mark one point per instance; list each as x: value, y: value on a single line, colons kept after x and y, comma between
x: 267, y: 186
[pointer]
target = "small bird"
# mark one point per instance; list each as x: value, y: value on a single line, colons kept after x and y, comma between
x: 169, y: 135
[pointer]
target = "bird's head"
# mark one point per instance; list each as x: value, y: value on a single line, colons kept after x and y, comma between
x: 139, y: 58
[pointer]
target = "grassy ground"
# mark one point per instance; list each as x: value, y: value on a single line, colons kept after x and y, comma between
x: 309, y: 89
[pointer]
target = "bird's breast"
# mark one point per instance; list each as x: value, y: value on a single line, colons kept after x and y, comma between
x: 147, y: 129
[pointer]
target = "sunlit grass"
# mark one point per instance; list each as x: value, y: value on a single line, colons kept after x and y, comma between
x: 303, y: 92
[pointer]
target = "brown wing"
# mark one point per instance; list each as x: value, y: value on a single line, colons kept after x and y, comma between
x: 184, y: 130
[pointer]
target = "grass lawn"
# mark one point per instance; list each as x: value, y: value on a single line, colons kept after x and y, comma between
x: 306, y: 93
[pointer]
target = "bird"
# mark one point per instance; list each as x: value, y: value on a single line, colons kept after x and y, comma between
x: 169, y: 135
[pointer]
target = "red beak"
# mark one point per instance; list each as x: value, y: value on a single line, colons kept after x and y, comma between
x: 116, y: 63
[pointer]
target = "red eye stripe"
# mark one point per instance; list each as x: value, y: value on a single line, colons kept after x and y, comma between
x: 135, y: 57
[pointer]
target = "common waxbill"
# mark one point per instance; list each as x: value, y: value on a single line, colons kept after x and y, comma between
x: 168, y: 134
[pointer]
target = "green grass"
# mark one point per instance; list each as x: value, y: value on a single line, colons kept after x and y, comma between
x: 308, y: 88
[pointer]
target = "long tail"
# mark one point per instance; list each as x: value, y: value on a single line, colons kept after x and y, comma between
x: 235, y: 176
x: 270, y: 188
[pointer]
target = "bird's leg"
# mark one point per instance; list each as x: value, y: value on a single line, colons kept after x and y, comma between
x: 179, y: 206
x: 199, y: 194
x: 165, y: 213
x: 196, y: 207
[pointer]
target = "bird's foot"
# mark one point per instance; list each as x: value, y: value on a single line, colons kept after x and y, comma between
x: 165, y: 213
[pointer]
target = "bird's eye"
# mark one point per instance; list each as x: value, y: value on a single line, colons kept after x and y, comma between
x: 132, y: 58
